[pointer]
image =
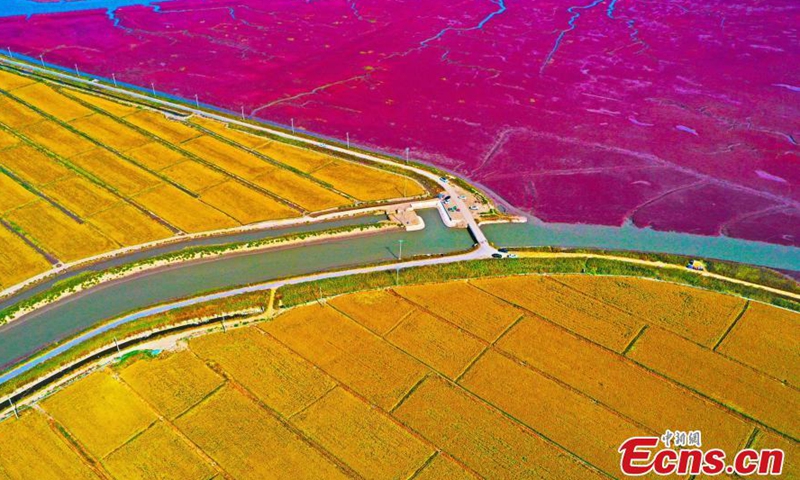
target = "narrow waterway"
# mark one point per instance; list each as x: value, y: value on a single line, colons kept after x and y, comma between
x: 24, y: 337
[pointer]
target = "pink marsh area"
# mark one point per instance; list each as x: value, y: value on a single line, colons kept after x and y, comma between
x: 680, y: 115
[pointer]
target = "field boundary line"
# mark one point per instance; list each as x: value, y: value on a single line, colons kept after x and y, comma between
x: 636, y: 337
x: 422, y: 467
x: 731, y: 326
x: 410, y: 391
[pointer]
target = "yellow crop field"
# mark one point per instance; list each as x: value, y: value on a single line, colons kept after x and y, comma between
x: 442, y: 468
x: 245, y: 204
x: 18, y: 261
x: 241, y: 137
x: 80, y: 195
x: 227, y: 157
x: 625, y: 387
x: 110, y: 132
x: 100, y: 412
x: 171, y: 383
x: 699, y: 315
x: 583, y: 315
x: 234, y: 431
x: 299, y: 190
x: 366, y: 183
x: 278, y: 377
x: 10, y: 81
x: 724, y: 380
x: 127, y: 225
x: 33, y: 166
x: 300, y: 158
x: 179, y: 209
x: 487, y: 322
x: 369, y: 442
x: 156, y: 156
x: 439, y: 344
x: 32, y: 449
x: 194, y: 175
x: 16, y: 115
x: 766, y: 339
x: 582, y: 426
x: 12, y: 194
x: 60, y: 234
x: 791, y: 466
x: 51, y: 101
x: 348, y: 352
x: 378, y: 310
x: 57, y: 139
x: 157, y: 453
x: 482, y: 438
x: 173, y: 131
x: 8, y: 140
x: 115, y: 108
x: 115, y: 171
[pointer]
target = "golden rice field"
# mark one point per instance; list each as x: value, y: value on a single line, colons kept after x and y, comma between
x: 82, y: 174
x: 458, y: 380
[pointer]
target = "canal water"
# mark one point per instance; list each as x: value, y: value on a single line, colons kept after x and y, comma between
x: 539, y: 234
x: 13, y: 8
x: 24, y: 337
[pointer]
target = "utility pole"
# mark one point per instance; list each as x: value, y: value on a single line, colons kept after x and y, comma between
x: 153, y: 87
x: 77, y: 72
x: 348, y: 139
x: 117, y: 345
x: 114, y: 78
x: 400, y: 256
x: 16, y: 414
x: 242, y: 112
x: 405, y: 178
x: 293, y: 125
x: 41, y: 59
x: 196, y: 101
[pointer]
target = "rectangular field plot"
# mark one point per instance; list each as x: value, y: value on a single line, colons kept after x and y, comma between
x: 127, y: 225
x: 483, y: 315
x: 181, y: 210
x: 81, y: 196
x: 57, y: 233
x: 582, y: 426
x: 482, y: 438
x: 50, y: 101
x: 12, y: 194
x: 281, y: 379
x: 227, y: 157
x: 299, y: 190
x: 115, y: 172
x: 156, y: 156
x: 724, y: 380
x: 173, y: 131
x: 766, y: 339
x: 16, y: 115
x: 18, y: 261
x: 110, y: 132
x: 369, y: 442
x: 241, y: 137
x: 300, y: 158
x: 194, y: 175
x: 439, y: 344
x: 115, y: 108
x: 585, y: 316
x: 377, y: 310
x: 443, y: 468
x: 99, y: 412
x: 235, y: 432
x: 626, y: 387
x: 10, y: 81
x: 348, y: 352
x: 365, y: 183
x: 8, y: 140
x: 171, y: 383
x: 699, y: 315
x: 160, y: 452
x: 245, y: 204
x: 31, y: 449
x: 33, y: 166
x: 57, y: 139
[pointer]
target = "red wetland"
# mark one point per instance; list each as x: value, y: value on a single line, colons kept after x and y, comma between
x: 680, y: 115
